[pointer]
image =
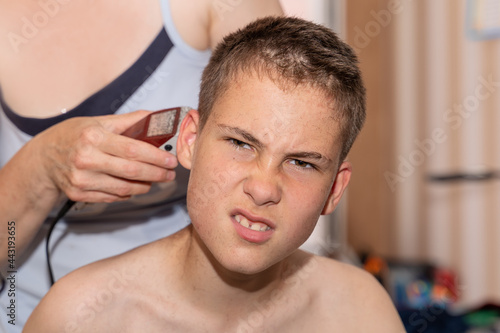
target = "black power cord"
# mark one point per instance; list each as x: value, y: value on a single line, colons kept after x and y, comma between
x: 64, y: 209
x: 164, y: 131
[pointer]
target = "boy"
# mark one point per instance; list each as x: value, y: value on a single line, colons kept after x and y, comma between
x: 281, y: 102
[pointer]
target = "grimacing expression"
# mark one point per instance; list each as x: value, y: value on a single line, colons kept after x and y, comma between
x: 263, y: 169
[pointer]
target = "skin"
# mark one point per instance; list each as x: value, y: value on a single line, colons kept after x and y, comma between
x: 212, y: 276
x: 86, y: 159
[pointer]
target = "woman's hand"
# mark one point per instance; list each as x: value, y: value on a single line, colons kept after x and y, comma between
x: 88, y: 159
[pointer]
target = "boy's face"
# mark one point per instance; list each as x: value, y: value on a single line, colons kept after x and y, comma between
x: 263, y: 169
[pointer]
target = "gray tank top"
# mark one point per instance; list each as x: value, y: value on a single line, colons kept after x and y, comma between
x: 166, y: 75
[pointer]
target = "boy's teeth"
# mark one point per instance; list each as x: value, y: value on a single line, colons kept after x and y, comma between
x: 253, y: 226
x: 245, y: 223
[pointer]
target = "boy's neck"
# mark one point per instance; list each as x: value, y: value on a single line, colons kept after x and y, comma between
x: 219, y: 289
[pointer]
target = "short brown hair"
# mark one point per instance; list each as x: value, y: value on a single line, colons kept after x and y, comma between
x: 290, y: 51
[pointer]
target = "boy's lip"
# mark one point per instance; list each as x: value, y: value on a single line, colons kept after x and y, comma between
x: 253, y: 236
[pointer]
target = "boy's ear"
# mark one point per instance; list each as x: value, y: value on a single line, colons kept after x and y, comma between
x: 187, y: 137
x: 339, y: 185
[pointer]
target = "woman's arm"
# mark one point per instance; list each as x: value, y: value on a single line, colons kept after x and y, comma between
x: 84, y: 158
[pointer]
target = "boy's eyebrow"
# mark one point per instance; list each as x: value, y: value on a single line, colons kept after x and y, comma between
x: 310, y: 155
x: 247, y: 136
x: 254, y: 141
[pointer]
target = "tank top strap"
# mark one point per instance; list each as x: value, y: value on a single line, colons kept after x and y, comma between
x: 186, y: 49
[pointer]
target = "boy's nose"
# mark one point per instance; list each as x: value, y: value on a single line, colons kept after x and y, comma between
x: 263, y: 187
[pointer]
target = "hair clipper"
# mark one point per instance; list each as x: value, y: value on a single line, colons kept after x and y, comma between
x: 160, y: 128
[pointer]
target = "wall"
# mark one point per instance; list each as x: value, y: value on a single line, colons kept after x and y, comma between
x: 433, y: 103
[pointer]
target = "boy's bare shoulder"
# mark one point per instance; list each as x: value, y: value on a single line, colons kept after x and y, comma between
x: 347, y: 294
x: 90, y: 296
x: 77, y: 298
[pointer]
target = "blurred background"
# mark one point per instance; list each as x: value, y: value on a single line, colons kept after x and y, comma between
x: 423, y: 207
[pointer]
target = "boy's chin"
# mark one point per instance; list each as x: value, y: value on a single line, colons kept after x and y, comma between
x: 243, y: 268
x: 247, y: 270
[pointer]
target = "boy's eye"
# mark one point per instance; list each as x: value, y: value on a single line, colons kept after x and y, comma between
x: 240, y: 144
x: 302, y: 164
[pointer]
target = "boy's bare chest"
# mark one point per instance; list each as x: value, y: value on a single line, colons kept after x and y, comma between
x: 286, y: 313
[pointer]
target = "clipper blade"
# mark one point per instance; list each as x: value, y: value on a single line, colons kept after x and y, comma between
x: 160, y: 128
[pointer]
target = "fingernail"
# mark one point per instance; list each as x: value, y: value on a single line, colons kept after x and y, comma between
x: 171, y: 162
x: 170, y: 175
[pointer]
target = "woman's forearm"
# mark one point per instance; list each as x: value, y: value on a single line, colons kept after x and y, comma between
x: 27, y: 197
